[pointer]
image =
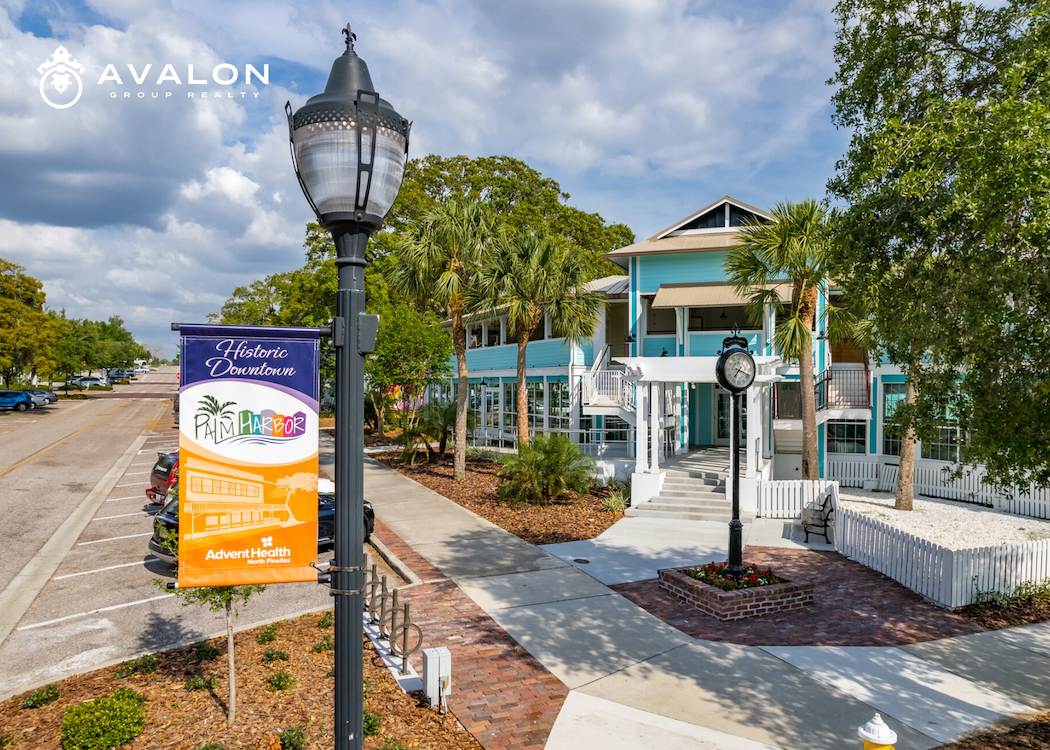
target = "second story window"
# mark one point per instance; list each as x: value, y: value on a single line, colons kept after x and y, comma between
x: 660, y: 321
x: 473, y: 337
x: 492, y: 333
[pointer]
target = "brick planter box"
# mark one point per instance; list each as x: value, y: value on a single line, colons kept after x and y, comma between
x: 735, y: 605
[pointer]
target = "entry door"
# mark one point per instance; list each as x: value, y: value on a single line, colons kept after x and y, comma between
x: 724, y: 416
x: 491, y: 407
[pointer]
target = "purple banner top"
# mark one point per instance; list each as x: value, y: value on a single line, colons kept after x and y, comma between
x: 288, y: 357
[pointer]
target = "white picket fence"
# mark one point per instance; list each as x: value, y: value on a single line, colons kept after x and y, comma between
x: 932, y: 481
x: 787, y: 498
x: 851, y: 473
x: 950, y: 578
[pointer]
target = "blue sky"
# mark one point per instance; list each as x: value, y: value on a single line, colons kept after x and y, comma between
x: 143, y: 202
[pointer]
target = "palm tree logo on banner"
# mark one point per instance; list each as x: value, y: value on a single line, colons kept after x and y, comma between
x: 215, y: 418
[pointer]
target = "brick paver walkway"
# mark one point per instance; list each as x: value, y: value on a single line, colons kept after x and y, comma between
x: 854, y: 606
x: 503, y: 696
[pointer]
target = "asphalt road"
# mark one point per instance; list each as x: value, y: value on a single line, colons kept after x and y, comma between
x: 76, y: 579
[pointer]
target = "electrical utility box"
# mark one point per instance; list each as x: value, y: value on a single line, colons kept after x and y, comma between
x: 437, y: 675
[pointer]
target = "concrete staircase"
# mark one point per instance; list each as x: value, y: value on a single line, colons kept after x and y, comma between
x: 693, y: 494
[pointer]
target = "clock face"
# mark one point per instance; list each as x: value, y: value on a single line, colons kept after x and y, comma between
x: 739, y: 370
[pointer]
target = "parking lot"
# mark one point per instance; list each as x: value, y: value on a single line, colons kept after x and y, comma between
x: 97, y: 600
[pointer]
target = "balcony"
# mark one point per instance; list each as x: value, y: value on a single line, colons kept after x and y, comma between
x: 835, y: 388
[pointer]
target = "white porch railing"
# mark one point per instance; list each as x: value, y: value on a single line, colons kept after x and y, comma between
x: 950, y: 578
x: 609, y: 388
x: 787, y: 498
x: 598, y: 443
x: 851, y: 473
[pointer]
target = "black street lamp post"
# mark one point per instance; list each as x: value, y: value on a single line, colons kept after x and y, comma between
x: 349, y: 149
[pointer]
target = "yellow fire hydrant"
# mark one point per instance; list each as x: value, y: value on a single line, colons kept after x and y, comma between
x: 876, y: 735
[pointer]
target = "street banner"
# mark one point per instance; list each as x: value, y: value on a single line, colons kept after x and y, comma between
x: 247, y: 455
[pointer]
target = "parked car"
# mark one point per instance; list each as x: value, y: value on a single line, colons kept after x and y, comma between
x: 50, y: 396
x: 37, y: 400
x: 166, y: 522
x: 87, y: 381
x: 121, y: 374
x: 163, y: 475
x: 18, y: 400
x: 143, y: 368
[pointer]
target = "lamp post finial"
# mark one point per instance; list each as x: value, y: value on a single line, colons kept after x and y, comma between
x: 351, y: 37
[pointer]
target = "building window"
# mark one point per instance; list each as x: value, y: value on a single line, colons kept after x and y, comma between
x: 473, y: 337
x: 847, y: 436
x: 492, y: 333
x: 510, y: 405
x: 660, y: 321
x: 616, y: 430
x: 534, y: 401
x: 558, y: 406
x: 892, y: 394
x: 945, y: 444
x: 586, y: 425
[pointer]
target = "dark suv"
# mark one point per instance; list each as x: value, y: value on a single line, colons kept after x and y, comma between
x: 167, y: 522
x: 163, y: 476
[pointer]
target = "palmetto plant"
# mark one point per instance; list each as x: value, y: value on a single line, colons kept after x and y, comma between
x: 545, y: 470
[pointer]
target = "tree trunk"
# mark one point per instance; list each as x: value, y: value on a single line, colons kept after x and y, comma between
x: 810, y: 459
x: 380, y: 413
x: 231, y: 715
x: 459, y: 342
x: 906, y: 475
x: 522, y: 406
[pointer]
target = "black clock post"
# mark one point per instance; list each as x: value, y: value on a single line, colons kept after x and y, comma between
x: 735, y: 371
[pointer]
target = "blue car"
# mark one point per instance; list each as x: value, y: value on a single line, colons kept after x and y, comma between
x: 15, y: 400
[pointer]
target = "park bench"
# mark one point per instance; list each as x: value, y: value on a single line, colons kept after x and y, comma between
x: 817, y: 520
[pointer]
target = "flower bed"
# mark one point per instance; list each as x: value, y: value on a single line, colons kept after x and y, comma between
x: 714, y: 574
x: 737, y: 604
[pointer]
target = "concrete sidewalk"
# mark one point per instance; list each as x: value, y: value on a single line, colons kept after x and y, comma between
x: 638, y: 682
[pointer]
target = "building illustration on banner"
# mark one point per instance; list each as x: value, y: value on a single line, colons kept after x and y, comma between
x: 223, y: 500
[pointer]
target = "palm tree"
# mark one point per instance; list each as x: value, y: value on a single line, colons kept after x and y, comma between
x: 437, y: 262
x: 793, y: 247
x: 531, y: 275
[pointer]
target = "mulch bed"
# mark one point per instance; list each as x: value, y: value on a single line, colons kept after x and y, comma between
x: 992, y: 616
x: 1029, y: 735
x: 854, y: 606
x: 568, y: 520
x: 177, y: 718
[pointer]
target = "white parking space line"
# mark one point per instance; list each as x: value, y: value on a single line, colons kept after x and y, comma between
x: 96, y: 611
x: 133, y: 497
x: 132, y: 473
x: 114, y: 538
x: 123, y: 515
x: 133, y: 484
x: 98, y: 570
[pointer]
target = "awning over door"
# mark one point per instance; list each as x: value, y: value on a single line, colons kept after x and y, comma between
x: 709, y: 294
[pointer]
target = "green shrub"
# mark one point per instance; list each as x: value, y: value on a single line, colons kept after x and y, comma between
x: 199, y: 683
x: 292, y: 738
x: 372, y: 721
x: 267, y: 634
x: 483, y: 454
x: 391, y: 744
x: 614, y: 501
x: 330, y: 672
x: 279, y: 681
x: 204, y: 651
x: 326, y: 620
x: 325, y: 644
x: 143, y: 665
x: 104, y: 723
x: 211, y: 746
x: 42, y: 697
x: 100, y: 388
x: 544, y: 470
x: 271, y: 655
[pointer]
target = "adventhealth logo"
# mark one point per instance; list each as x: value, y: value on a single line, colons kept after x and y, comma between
x: 61, y: 85
x: 257, y: 555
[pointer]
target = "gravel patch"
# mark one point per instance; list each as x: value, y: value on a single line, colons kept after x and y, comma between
x: 948, y: 523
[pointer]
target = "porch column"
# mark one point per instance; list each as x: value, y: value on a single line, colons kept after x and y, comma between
x: 654, y: 417
x: 754, y: 428
x: 641, y: 452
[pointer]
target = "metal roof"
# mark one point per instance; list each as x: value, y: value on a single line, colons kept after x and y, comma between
x: 709, y: 294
